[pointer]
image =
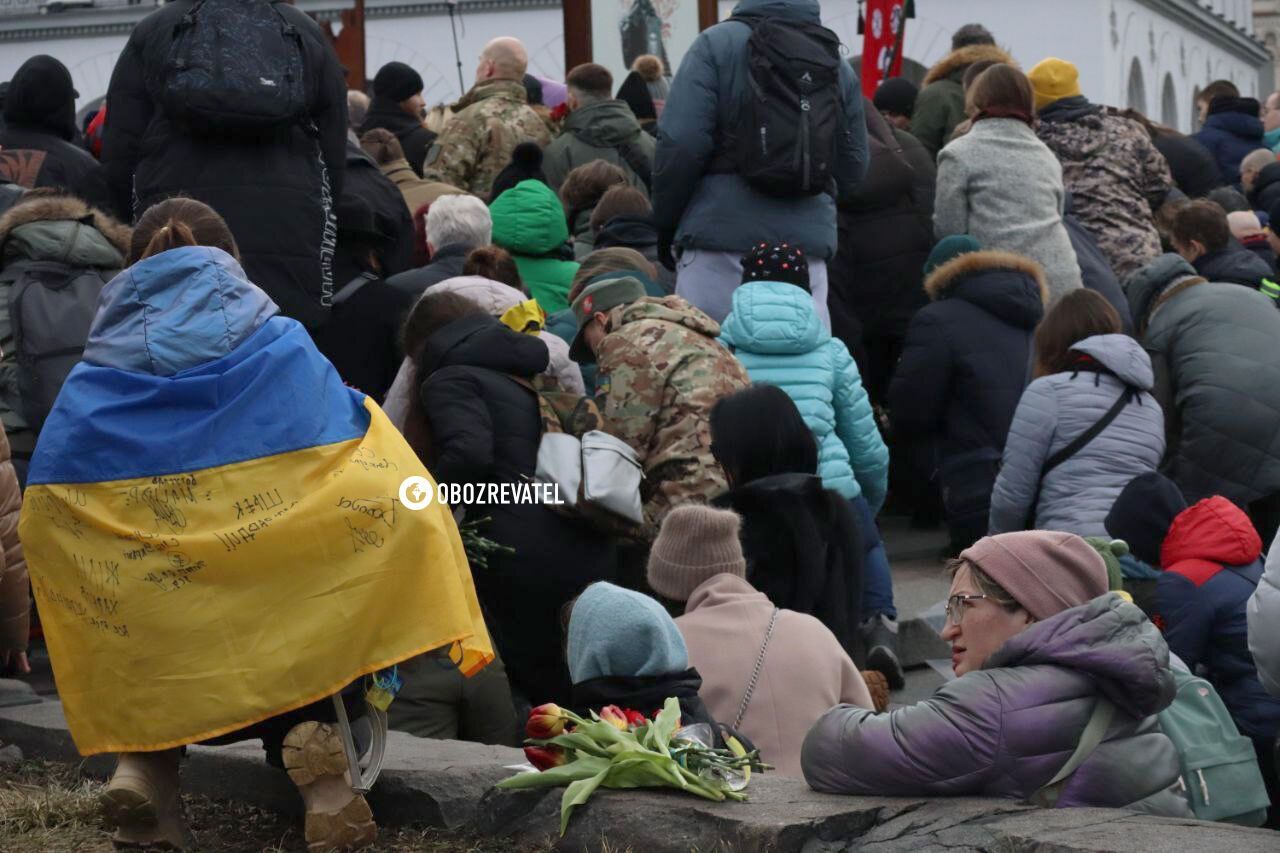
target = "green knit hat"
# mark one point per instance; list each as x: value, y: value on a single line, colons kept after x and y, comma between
x: 1111, y: 550
x: 948, y: 249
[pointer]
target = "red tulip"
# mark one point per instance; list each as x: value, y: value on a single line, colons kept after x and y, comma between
x: 545, y: 757
x: 635, y: 719
x: 545, y: 721
x: 614, y: 716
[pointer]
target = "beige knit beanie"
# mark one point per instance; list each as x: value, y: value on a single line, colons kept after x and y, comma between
x: 695, y: 543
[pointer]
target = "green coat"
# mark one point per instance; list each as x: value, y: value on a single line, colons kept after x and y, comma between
x: 528, y: 221
x: 940, y: 104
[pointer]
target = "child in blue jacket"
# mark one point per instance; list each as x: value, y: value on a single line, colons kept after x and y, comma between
x: 777, y: 335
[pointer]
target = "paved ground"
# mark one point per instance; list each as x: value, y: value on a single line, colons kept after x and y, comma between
x: 919, y: 584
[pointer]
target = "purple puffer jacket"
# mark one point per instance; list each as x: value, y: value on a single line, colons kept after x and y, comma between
x: 1006, y: 729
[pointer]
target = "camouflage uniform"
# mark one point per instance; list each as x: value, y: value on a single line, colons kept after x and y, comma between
x: 1115, y: 176
x: 660, y: 370
x: 487, y: 125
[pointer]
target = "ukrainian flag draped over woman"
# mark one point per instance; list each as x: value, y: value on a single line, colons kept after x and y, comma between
x: 212, y: 522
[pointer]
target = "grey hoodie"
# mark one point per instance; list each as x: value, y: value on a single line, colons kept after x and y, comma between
x: 1005, y: 730
x: 1077, y: 495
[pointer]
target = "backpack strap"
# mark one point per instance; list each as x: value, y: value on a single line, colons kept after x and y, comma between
x: 1075, y: 446
x: 352, y: 287
x: 1046, y: 797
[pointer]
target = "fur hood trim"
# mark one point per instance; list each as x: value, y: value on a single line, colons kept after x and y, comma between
x: 975, y: 262
x: 963, y: 58
x: 67, y: 208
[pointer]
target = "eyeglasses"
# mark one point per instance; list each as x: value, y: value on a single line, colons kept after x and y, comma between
x: 955, y: 607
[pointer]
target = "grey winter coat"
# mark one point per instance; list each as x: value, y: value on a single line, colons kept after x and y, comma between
x: 719, y: 211
x: 1264, y: 624
x: 603, y: 131
x: 1000, y: 184
x: 1213, y: 351
x: 1076, y: 496
x: 1005, y: 730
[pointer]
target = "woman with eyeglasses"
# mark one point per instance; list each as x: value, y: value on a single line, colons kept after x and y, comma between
x: 1038, y: 645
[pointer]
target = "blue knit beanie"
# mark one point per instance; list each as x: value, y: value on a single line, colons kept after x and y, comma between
x: 614, y: 631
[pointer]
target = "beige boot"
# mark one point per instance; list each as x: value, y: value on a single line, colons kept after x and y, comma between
x: 337, y: 817
x: 141, y: 801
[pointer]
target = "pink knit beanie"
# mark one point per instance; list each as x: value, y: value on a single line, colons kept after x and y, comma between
x: 695, y: 543
x: 1045, y: 571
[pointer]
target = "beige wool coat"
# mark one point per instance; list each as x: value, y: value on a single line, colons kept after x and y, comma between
x: 805, y: 671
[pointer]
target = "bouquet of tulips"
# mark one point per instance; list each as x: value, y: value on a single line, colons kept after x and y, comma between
x: 620, y: 748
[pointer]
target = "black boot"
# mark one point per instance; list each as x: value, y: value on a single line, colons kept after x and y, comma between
x: 880, y: 639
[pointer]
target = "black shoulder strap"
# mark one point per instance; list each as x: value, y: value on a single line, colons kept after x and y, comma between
x: 1075, y: 446
x: 350, y: 288
x: 631, y: 155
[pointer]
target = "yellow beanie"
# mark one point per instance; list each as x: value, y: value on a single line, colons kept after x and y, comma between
x: 1052, y: 80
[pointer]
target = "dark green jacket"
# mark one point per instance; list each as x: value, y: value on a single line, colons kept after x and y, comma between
x: 940, y: 105
x: 604, y: 131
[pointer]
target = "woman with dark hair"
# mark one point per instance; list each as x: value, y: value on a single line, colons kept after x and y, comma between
x: 803, y: 542
x: 476, y: 421
x: 1001, y: 185
x: 1083, y: 429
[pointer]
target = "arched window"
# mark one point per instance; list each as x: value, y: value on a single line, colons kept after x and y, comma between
x: 1169, y: 103
x: 1137, y: 98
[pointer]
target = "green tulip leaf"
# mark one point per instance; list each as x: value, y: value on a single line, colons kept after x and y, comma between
x: 578, y: 793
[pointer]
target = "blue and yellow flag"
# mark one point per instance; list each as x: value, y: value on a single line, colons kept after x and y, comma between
x: 212, y: 522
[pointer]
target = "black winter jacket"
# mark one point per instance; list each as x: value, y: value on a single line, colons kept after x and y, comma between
x: 1212, y: 346
x: 365, y: 179
x: 1195, y: 171
x: 1266, y: 188
x: 362, y: 335
x: 1095, y: 270
x: 639, y: 233
x: 415, y: 139
x: 1234, y: 265
x: 276, y: 196
x: 968, y: 353
x: 37, y: 139
x: 646, y: 694
x: 885, y: 235
x: 445, y: 264
x: 802, y: 547
x: 485, y: 428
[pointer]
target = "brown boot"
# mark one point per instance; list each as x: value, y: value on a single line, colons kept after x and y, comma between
x: 878, y: 687
x: 141, y: 801
x: 337, y: 817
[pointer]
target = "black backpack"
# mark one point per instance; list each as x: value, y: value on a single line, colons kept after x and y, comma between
x: 235, y: 66
x: 785, y: 144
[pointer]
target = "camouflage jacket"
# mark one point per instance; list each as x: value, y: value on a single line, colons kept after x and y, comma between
x: 1115, y: 176
x: 487, y: 125
x: 660, y: 370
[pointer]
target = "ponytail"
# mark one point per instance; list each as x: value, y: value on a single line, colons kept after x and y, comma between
x: 172, y: 235
x: 176, y: 223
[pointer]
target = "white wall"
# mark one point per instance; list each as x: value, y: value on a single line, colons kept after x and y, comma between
x: 425, y: 43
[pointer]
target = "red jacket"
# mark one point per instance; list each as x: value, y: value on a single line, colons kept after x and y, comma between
x: 1212, y: 565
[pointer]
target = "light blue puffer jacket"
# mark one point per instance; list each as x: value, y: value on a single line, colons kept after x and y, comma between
x: 775, y: 332
x: 1077, y: 495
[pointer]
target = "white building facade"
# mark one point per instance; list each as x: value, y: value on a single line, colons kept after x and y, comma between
x: 1154, y: 55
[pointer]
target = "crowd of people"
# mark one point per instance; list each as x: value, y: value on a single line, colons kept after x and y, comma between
x: 988, y: 304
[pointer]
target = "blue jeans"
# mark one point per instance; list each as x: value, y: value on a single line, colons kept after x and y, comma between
x: 877, y: 582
